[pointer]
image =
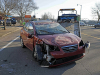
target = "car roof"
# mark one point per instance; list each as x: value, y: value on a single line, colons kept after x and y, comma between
x: 42, y: 22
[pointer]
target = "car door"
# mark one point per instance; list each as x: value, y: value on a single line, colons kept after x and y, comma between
x: 31, y: 36
x: 25, y: 34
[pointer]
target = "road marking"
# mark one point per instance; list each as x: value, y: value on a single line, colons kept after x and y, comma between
x: 10, y: 32
x: 90, y: 36
x: 9, y: 44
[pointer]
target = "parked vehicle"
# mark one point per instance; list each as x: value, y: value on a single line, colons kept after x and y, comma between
x: 51, y: 43
x: 97, y: 25
x: 82, y: 23
x: 1, y: 22
x: 8, y: 22
x: 13, y: 21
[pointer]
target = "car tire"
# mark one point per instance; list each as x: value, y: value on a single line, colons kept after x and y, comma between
x: 95, y: 26
x: 22, y: 43
x: 37, y: 54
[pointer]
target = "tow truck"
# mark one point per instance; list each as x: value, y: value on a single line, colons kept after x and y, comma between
x: 70, y: 21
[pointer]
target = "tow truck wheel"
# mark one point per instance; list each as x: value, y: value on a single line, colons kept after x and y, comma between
x: 22, y: 44
x: 37, y: 54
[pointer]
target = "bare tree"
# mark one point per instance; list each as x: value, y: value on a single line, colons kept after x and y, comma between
x: 96, y: 10
x: 44, y: 16
x: 6, y: 6
x: 47, y: 16
x: 25, y: 7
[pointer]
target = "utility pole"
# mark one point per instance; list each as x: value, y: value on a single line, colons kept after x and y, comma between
x: 80, y: 10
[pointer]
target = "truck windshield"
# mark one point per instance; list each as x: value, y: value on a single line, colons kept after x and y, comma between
x: 50, y: 29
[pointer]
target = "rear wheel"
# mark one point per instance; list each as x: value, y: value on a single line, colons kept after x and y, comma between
x: 22, y: 43
x: 34, y: 54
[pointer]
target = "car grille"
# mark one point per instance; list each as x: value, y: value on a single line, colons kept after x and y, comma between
x: 70, y: 48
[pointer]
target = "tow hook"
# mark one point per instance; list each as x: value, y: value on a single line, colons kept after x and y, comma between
x: 87, y: 45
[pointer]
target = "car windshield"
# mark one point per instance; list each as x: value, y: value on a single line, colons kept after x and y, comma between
x: 82, y: 22
x: 48, y: 29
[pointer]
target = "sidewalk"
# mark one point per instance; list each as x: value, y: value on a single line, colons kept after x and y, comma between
x: 9, y: 29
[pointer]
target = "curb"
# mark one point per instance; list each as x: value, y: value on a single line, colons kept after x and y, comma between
x: 10, y: 32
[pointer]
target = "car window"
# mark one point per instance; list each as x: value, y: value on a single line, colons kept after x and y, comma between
x: 82, y: 23
x: 26, y: 26
x: 30, y: 28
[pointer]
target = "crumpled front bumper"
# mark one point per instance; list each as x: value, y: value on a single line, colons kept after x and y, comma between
x: 65, y: 60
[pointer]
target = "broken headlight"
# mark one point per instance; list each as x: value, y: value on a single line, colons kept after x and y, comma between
x: 51, y: 47
x: 81, y: 43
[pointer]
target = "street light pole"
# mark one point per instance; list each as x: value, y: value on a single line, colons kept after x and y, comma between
x: 34, y: 12
x: 80, y: 10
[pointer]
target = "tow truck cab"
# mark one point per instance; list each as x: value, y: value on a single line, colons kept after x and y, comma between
x: 70, y: 21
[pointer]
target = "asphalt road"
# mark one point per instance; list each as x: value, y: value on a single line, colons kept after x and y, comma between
x: 15, y: 60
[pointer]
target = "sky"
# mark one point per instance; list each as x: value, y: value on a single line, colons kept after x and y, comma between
x: 53, y: 7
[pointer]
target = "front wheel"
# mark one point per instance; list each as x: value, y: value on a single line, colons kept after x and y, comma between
x: 37, y: 54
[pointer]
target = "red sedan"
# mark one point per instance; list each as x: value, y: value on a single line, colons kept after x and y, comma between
x: 50, y: 43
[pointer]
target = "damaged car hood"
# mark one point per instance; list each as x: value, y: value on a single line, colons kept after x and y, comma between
x: 60, y: 39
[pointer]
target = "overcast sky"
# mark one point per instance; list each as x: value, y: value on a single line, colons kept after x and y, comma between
x: 53, y: 6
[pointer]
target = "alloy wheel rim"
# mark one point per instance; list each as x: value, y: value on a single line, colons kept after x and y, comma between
x: 21, y: 42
